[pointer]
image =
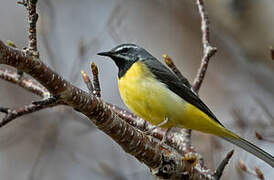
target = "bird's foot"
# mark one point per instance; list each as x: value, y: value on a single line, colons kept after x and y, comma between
x: 149, y: 132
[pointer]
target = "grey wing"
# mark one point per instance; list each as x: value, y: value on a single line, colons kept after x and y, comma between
x: 177, y: 86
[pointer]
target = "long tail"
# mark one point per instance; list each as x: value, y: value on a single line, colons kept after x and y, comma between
x: 252, y: 149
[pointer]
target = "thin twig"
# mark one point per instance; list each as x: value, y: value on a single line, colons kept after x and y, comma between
x: 96, y: 84
x: 169, y: 62
x: 94, y: 88
x: 87, y: 82
x: 32, y: 19
x: 262, y: 138
x: 259, y: 173
x: 27, y: 83
x: 256, y: 173
x: 219, y: 171
x: 12, y: 114
x: 208, y: 50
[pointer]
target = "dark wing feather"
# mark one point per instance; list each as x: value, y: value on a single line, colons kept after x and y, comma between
x: 183, y: 90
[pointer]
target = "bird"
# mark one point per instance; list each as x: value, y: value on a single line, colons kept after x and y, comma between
x: 153, y: 92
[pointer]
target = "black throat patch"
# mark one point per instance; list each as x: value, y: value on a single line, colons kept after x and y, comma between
x: 124, y: 67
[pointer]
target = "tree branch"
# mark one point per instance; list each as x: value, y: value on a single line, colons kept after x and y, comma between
x: 256, y: 173
x: 88, y: 82
x: 32, y: 20
x: 219, y: 171
x: 96, y: 84
x: 24, y: 82
x: 208, y: 50
x: 12, y: 114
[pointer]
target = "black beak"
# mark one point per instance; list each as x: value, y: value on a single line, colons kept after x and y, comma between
x: 108, y: 54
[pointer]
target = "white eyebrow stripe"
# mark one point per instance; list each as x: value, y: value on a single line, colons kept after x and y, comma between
x: 123, y: 47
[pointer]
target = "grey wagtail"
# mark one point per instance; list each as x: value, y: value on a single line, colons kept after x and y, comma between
x: 155, y: 93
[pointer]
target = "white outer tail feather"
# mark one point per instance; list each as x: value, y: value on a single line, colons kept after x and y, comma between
x: 249, y: 147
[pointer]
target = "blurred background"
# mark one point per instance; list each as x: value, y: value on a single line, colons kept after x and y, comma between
x: 62, y: 144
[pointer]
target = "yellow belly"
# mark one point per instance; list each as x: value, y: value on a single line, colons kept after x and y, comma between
x: 153, y: 101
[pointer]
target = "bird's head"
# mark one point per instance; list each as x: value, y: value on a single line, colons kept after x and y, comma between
x: 125, y: 55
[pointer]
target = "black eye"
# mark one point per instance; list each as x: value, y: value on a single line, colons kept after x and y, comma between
x: 124, y: 50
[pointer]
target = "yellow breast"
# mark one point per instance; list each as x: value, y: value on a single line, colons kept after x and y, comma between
x: 149, y: 98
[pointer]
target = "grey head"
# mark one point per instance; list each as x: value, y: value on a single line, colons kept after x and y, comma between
x: 125, y: 55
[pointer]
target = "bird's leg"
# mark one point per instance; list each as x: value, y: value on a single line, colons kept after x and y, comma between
x: 165, y: 136
x: 148, y: 132
x: 162, y: 123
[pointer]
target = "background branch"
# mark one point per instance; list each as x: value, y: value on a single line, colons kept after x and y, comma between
x: 26, y: 83
x: 256, y: 172
x: 32, y: 20
x: 208, y: 50
x: 12, y: 114
x: 272, y: 53
x: 219, y: 171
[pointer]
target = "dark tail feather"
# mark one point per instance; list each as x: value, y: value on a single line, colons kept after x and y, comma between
x: 252, y: 149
